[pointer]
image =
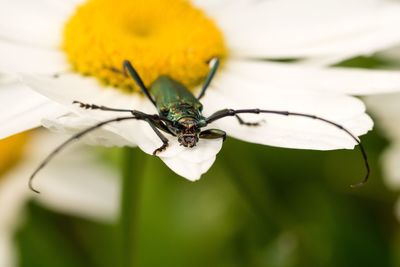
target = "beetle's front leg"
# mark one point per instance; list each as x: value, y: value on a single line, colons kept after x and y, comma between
x: 161, y: 136
x: 242, y: 122
x: 213, y: 134
x: 161, y: 148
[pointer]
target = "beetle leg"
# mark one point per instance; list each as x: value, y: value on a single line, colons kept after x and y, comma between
x: 161, y: 136
x: 161, y: 125
x: 214, y: 62
x: 242, y: 122
x: 213, y: 134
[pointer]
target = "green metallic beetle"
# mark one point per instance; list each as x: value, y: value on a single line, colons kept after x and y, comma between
x: 180, y: 115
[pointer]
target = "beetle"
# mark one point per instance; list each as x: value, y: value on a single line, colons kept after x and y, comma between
x: 180, y: 115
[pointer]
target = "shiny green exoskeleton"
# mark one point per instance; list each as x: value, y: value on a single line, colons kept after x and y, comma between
x: 180, y: 114
x: 181, y: 108
x: 174, y: 101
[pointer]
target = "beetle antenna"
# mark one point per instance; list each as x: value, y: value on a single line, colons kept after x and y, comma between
x: 68, y: 141
x: 231, y: 112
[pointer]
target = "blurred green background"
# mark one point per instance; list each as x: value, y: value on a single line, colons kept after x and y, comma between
x: 257, y: 206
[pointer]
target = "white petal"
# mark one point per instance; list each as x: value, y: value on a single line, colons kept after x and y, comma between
x: 13, y: 197
x: 325, y: 60
x: 244, y: 93
x: 81, y: 186
x: 8, y: 78
x: 386, y: 108
x: 190, y: 170
x: 22, y: 109
x: 14, y: 194
x: 38, y: 23
x: 291, y: 29
x: 215, y: 7
x: 291, y: 132
x: 7, y: 250
x: 203, y: 151
x: 300, y: 76
x: 24, y: 58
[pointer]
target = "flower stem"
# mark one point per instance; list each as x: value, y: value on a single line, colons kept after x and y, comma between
x: 133, y: 165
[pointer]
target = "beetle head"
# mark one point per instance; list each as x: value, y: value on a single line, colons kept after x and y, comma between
x: 188, y: 136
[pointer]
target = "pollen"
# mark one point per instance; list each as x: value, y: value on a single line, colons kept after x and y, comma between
x: 11, y: 150
x: 159, y: 37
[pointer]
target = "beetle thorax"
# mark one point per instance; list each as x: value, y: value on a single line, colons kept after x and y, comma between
x: 189, y: 134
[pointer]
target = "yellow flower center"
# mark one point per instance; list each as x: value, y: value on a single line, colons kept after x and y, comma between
x: 159, y: 37
x: 11, y: 149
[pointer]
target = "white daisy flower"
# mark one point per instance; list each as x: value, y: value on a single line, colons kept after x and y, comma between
x: 178, y: 38
x: 63, y: 188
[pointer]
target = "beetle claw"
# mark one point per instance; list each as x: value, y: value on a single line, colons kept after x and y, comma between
x: 160, y: 149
